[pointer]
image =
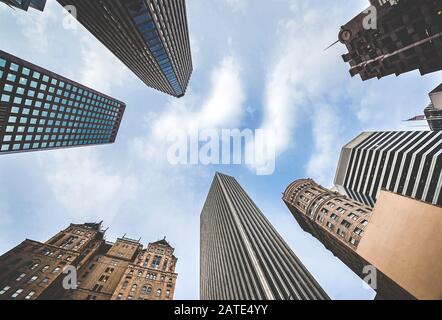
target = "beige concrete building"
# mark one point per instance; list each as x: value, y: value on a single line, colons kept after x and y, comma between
x: 404, y: 240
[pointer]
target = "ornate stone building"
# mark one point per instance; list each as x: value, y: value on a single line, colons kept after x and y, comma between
x: 349, y: 230
x: 105, y: 271
x: 393, y: 37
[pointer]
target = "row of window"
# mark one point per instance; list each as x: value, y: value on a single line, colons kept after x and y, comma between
x: 145, y: 290
x: 147, y: 28
x: 34, y: 76
x: 44, y: 145
x: 17, y: 293
x: 47, y: 110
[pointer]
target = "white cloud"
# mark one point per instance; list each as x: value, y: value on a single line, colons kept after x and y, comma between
x: 36, y: 25
x: 327, y: 136
x: 222, y: 108
x: 303, y: 74
x: 86, y: 186
x: 236, y: 5
x: 100, y: 69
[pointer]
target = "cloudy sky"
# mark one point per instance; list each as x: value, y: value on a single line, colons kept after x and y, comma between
x: 258, y: 64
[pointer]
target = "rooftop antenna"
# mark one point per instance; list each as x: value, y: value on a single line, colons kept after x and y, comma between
x: 331, y: 45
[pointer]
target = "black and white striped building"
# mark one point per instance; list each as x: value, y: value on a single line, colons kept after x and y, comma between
x: 405, y: 162
x: 242, y: 256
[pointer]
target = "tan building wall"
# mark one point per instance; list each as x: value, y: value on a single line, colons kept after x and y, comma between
x: 404, y: 240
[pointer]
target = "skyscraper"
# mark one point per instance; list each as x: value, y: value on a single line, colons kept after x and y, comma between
x: 242, y: 255
x: 105, y: 271
x: 394, y: 38
x: 150, y: 37
x: 433, y: 112
x: 25, y: 4
x: 41, y: 110
x: 388, y: 245
x: 406, y: 162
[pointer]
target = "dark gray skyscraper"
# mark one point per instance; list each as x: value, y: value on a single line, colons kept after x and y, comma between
x: 25, y: 4
x: 405, y: 162
x: 242, y: 256
x: 40, y: 110
x: 433, y: 112
x: 150, y: 37
x: 407, y: 36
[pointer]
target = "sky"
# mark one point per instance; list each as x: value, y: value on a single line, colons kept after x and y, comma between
x: 257, y: 65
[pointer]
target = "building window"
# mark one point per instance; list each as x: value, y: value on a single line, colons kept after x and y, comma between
x: 353, y: 216
x: 44, y: 281
x: 97, y: 288
x: 165, y: 264
x: 358, y: 231
x: 104, y: 278
x: 159, y: 293
x: 329, y: 225
x: 57, y: 269
x: 29, y: 296
x: 134, y: 287
x: 144, y: 290
x: 33, y: 279
x: 167, y: 293
x: 120, y: 295
x: 346, y: 224
x: 156, y: 262
x: 353, y: 241
x: 334, y: 217
x: 35, y: 266
x: 341, y: 233
x: 4, y: 290
x: 20, y: 277
x: 365, y: 223
x: 45, y: 269
x: 17, y: 293
x: 125, y: 284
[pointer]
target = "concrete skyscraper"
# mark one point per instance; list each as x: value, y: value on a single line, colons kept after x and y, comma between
x: 242, y: 256
x: 105, y: 271
x: 150, y: 37
x: 406, y: 162
x: 394, y: 37
x: 397, y: 246
x: 26, y: 4
x: 40, y: 110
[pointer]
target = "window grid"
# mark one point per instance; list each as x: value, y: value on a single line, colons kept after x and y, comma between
x: 49, y: 112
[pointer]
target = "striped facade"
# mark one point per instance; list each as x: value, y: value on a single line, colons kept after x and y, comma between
x: 406, y: 162
x: 242, y: 256
x: 150, y: 37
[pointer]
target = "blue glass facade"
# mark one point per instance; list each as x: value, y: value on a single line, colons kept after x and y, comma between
x: 41, y: 110
x: 146, y: 26
x: 25, y: 4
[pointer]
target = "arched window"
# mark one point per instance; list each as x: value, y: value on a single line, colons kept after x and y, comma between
x: 125, y: 284
x: 149, y: 290
x: 134, y: 287
x: 158, y: 292
x: 144, y: 290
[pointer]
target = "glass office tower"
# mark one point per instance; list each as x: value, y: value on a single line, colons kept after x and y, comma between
x: 25, y: 4
x: 41, y: 110
x: 150, y: 37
